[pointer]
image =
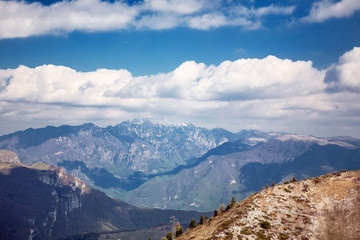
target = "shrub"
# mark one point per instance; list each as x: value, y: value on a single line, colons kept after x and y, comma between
x: 245, y: 232
x: 261, y: 236
x: 287, y: 190
x: 286, y: 182
x: 265, y: 224
x: 169, y: 236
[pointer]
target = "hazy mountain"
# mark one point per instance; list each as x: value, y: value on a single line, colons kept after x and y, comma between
x: 237, y: 169
x: 180, y: 166
x: 43, y: 202
x: 326, y: 207
x: 128, y: 148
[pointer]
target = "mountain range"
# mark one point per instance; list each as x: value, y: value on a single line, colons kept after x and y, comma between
x: 181, y: 166
x: 41, y: 201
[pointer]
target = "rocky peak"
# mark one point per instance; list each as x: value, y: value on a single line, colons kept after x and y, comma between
x: 326, y: 207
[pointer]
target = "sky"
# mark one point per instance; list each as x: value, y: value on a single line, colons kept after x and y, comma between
x: 290, y: 66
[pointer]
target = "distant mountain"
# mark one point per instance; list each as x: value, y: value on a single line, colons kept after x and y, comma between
x: 181, y: 166
x: 43, y: 202
x: 325, y: 207
x: 115, y: 153
x: 242, y: 167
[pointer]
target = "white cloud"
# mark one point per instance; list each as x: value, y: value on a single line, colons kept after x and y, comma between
x: 175, y: 6
x: 22, y: 19
x: 344, y: 76
x: 271, y: 93
x: 325, y: 9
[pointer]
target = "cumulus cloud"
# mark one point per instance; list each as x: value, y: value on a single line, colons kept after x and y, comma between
x: 269, y: 94
x: 326, y: 9
x: 242, y: 79
x: 22, y: 19
x: 344, y: 76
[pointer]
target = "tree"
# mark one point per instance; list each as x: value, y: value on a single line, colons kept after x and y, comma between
x: 267, y: 186
x: 231, y: 204
x: 215, y: 212
x: 192, y: 224
x: 179, y: 229
x: 293, y: 179
x: 169, y: 236
x: 233, y: 201
x: 201, y: 219
x: 206, y: 217
x: 273, y: 184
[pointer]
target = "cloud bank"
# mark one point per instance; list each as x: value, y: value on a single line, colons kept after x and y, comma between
x: 22, y: 19
x: 268, y: 94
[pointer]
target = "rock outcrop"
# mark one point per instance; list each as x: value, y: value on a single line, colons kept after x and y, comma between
x: 7, y: 156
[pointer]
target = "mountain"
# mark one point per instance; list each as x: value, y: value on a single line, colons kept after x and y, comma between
x: 180, y: 166
x: 115, y: 156
x: 242, y: 167
x: 43, y: 202
x: 325, y: 207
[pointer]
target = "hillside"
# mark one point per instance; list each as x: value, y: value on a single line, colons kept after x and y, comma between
x: 325, y: 207
x: 43, y: 202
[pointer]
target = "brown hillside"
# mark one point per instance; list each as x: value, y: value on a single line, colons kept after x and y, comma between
x: 7, y: 156
x: 326, y: 207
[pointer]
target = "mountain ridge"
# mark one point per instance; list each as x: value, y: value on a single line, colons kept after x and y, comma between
x: 325, y: 207
x: 142, y: 161
x: 43, y: 202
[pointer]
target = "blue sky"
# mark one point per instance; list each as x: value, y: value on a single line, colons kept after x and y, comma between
x: 274, y: 66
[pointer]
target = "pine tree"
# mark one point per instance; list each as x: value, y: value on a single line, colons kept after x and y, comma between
x: 273, y: 184
x: 179, y: 229
x: 215, y: 212
x: 233, y: 201
x: 169, y: 236
x: 201, y: 219
x: 192, y: 224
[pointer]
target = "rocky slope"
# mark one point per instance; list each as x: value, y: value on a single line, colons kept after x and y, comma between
x: 43, y: 202
x: 7, y: 156
x: 325, y: 207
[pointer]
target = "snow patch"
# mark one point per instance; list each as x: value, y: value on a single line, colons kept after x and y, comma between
x: 232, y: 182
x: 194, y: 204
